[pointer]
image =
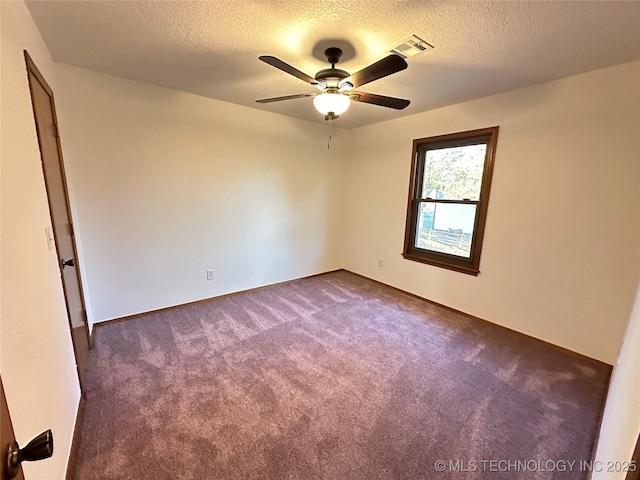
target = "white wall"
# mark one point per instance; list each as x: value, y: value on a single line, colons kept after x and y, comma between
x: 621, y: 421
x: 168, y: 184
x: 36, y: 355
x: 560, y: 259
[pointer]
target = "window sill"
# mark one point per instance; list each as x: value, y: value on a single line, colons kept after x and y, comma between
x: 448, y: 266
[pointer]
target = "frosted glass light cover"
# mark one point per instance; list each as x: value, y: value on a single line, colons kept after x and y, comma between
x: 331, y: 102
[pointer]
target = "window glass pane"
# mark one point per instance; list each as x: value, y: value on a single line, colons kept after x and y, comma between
x: 454, y: 173
x: 446, y: 228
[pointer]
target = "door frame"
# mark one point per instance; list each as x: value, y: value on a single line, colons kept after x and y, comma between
x: 33, y: 69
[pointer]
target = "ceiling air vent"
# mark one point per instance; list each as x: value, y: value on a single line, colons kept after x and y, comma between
x: 411, y: 47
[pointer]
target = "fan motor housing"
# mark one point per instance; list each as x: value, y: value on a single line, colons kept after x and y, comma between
x: 331, y: 75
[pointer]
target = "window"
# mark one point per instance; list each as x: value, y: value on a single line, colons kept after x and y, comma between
x: 448, y: 199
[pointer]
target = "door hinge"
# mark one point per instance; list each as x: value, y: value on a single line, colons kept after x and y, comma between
x: 56, y: 133
x: 70, y: 227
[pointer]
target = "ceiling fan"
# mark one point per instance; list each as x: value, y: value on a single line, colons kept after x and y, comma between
x: 336, y: 86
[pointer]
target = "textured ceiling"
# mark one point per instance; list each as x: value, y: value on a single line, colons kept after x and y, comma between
x: 212, y: 48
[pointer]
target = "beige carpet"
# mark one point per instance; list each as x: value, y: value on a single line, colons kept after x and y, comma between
x: 330, y: 377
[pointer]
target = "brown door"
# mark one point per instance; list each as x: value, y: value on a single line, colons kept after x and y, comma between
x: 635, y: 462
x: 52, y: 166
x: 6, y: 434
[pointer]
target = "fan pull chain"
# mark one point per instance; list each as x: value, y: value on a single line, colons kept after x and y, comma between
x: 330, y: 127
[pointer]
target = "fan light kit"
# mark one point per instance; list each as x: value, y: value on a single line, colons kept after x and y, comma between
x: 334, y: 102
x: 336, y: 86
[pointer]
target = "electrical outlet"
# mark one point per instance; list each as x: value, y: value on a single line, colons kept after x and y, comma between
x: 211, y: 274
x: 380, y: 262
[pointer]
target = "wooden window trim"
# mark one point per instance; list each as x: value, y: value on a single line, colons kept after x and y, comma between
x: 443, y: 260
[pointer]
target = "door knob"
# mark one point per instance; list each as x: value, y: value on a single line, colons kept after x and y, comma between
x: 67, y: 263
x: 39, y: 448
